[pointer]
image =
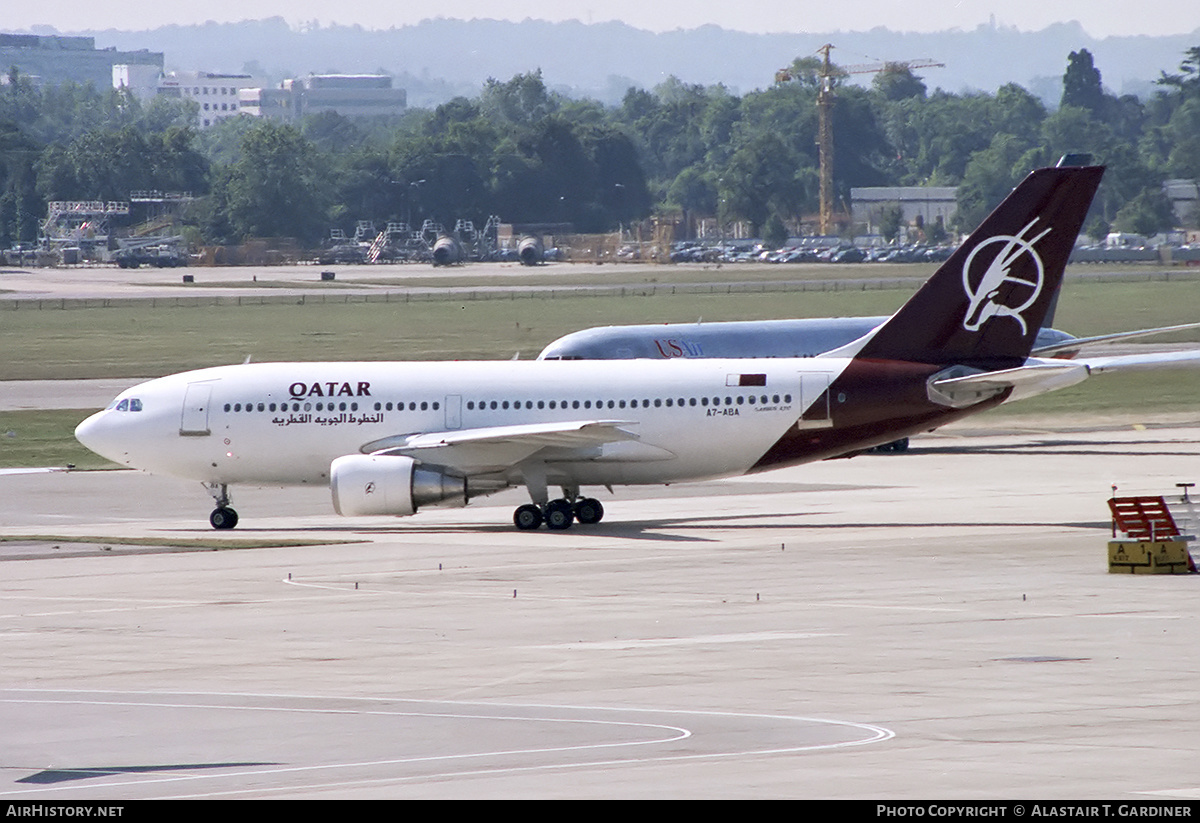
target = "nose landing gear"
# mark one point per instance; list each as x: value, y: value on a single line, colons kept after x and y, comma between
x: 223, y: 516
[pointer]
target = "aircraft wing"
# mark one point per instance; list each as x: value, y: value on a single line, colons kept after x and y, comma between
x: 1075, y: 343
x: 474, y: 451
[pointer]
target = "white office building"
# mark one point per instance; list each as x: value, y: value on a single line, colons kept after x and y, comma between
x: 217, y: 96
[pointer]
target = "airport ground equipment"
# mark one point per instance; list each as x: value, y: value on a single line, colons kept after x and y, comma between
x: 1153, y: 542
x: 159, y: 251
x: 447, y: 251
x: 530, y: 250
x: 80, y: 225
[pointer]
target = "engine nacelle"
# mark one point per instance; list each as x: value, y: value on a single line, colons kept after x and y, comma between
x: 530, y: 250
x: 367, y: 484
x: 447, y: 251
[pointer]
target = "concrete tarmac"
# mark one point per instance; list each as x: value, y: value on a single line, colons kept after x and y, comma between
x: 937, y: 624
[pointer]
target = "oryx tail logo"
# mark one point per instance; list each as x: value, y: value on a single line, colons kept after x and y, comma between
x: 983, y: 289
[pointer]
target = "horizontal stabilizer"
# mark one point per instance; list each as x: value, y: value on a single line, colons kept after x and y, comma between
x: 1029, y: 374
x: 1035, y: 377
x: 957, y: 389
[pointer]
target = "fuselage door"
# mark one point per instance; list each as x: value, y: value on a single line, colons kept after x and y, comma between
x: 814, y: 402
x: 454, y: 411
x: 194, y: 422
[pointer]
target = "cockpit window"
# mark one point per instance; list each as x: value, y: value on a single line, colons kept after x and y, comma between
x: 129, y: 404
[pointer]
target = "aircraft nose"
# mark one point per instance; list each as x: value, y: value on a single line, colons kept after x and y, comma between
x: 98, y: 437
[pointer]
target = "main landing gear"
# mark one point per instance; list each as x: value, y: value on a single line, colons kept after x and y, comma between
x: 223, y: 516
x: 558, y: 514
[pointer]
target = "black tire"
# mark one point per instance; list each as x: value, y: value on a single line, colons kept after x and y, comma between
x: 223, y: 518
x: 559, y: 515
x: 527, y: 517
x: 588, y: 511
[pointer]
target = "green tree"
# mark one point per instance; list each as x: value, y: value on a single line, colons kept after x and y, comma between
x: 891, y: 217
x: 897, y: 82
x: 933, y: 140
x: 275, y: 189
x: 108, y: 165
x: 441, y: 183
x: 990, y: 176
x: 718, y: 123
x: 521, y: 101
x: 1183, y: 137
x: 366, y: 188
x: 1185, y: 84
x: 694, y: 190
x: 1097, y: 228
x: 1147, y: 214
x: 760, y: 179
x: 1081, y: 83
x: 775, y: 233
x: 621, y: 191
x: 331, y: 132
x: 20, y: 205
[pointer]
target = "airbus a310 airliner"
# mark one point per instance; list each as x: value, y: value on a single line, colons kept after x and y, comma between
x: 391, y: 438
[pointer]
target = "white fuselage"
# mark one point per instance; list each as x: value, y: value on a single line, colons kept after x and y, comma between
x: 284, y: 423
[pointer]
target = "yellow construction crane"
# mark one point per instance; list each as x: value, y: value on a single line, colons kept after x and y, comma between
x: 825, y: 97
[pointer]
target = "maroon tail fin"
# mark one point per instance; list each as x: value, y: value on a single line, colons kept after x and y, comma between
x: 983, y: 307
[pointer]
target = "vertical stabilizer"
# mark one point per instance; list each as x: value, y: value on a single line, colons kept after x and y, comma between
x: 983, y: 307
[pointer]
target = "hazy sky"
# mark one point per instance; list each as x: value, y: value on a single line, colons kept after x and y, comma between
x: 1100, y: 18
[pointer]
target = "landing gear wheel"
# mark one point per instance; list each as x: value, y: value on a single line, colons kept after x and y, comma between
x: 527, y: 517
x: 588, y: 511
x: 223, y: 517
x: 559, y: 515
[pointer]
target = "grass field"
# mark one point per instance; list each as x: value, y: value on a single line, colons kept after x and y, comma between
x: 45, y: 438
x: 143, y: 342
x: 140, y: 342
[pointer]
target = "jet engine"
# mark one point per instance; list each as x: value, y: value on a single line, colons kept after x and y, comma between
x: 366, y: 484
x: 530, y: 250
x: 447, y: 251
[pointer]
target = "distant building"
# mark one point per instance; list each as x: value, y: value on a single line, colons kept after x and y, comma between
x: 54, y: 60
x: 353, y: 95
x: 350, y: 95
x: 282, y: 103
x: 217, y: 95
x: 1185, y: 201
x: 932, y: 204
x: 141, y: 80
